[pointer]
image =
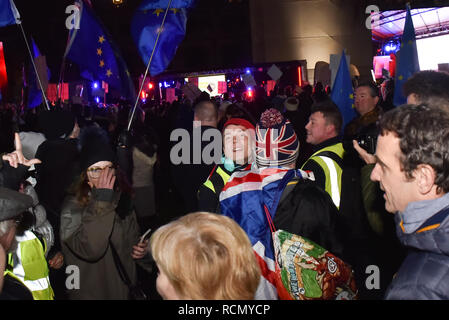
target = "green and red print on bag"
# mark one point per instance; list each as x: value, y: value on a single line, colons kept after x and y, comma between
x: 306, y: 271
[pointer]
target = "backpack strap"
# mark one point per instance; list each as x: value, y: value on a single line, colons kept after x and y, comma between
x: 289, y: 188
x: 283, y: 189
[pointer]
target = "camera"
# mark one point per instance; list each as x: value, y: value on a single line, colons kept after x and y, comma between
x: 367, y: 142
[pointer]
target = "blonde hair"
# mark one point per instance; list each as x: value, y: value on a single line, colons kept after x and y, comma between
x: 206, y: 256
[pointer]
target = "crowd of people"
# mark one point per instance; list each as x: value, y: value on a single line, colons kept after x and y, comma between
x: 78, y: 192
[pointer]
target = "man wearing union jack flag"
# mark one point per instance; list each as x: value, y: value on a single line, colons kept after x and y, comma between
x: 295, y: 203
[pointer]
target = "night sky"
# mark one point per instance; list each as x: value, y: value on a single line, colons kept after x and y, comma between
x: 218, y: 36
x: 45, y: 22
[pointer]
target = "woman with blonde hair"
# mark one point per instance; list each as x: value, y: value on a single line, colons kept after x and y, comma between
x: 204, y: 256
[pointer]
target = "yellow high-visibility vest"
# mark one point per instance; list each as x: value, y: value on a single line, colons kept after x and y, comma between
x: 224, y: 176
x: 28, y: 264
x: 332, y: 170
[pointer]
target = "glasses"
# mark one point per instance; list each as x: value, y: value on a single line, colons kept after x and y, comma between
x: 96, y: 171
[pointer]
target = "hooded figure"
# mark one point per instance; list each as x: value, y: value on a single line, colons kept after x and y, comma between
x: 59, y: 156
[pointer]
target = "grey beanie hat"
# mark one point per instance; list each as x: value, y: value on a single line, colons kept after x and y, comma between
x: 13, y: 203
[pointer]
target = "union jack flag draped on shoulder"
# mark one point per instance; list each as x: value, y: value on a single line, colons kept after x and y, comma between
x: 243, y: 199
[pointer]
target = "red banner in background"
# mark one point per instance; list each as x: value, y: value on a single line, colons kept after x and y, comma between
x: 222, y: 87
x: 52, y: 92
x: 270, y: 86
x: 105, y: 86
x: 194, y: 81
x: 170, y: 95
x: 3, y: 75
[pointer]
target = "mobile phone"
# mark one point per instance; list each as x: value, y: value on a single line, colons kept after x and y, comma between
x: 145, y: 236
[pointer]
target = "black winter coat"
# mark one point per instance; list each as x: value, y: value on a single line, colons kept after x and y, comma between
x: 309, y: 211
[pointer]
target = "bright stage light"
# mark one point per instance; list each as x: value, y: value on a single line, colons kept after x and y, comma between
x: 433, y: 51
x: 391, y: 47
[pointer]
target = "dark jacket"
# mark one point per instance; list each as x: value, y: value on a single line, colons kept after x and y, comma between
x: 187, y: 178
x: 361, y: 128
x: 11, y: 177
x: 424, y: 274
x: 209, y: 191
x: 86, y: 234
x: 365, y: 124
x: 56, y: 172
x: 54, y: 176
x: 307, y: 210
x: 13, y: 289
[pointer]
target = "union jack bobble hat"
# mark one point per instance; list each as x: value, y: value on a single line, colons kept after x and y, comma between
x: 276, y: 142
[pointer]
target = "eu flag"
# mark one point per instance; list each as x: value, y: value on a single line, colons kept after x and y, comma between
x: 342, y: 92
x: 145, y: 26
x: 92, y: 49
x: 35, y: 93
x: 407, y: 62
x: 8, y: 13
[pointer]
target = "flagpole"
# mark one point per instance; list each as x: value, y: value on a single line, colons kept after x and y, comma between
x: 148, y: 66
x: 61, y: 72
x: 34, y: 66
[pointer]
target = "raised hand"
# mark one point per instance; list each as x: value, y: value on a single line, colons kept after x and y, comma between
x: 364, y: 155
x: 16, y: 157
x: 57, y: 261
x: 106, y: 179
x: 140, y: 250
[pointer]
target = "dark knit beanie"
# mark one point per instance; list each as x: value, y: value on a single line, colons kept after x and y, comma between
x: 95, y: 147
x: 56, y: 123
x: 276, y: 140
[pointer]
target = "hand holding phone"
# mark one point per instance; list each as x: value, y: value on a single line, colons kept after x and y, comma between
x: 145, y: 236
x: 140, y: 249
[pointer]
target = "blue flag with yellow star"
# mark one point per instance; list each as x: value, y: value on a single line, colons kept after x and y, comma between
x: 342, y: 92
x: 145, y: 26
x: 407, y: 62
x: 92, y: 49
